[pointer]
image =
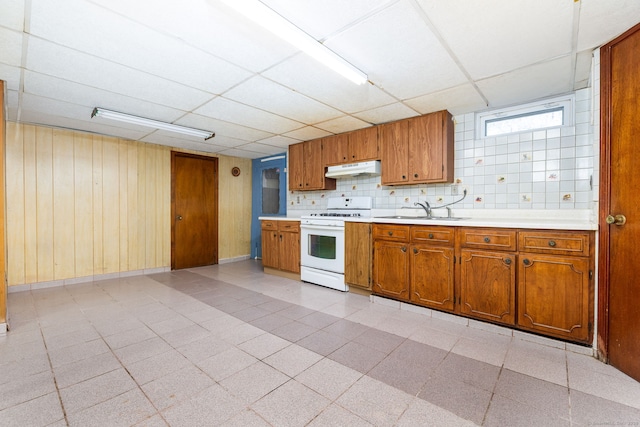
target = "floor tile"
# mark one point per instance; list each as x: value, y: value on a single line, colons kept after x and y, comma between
x: 198, y: 410
x: 435, y: 338
x: 337, y: 416
x: 129, y: 337
x: 204, y: 348
x: 592, y: 410
x: 77, y: 352
x: 375, y: 402
x: 292, y: 404
x: 184, y: 336
x: 227, y: 363
x: 381, y: 341
x: 96, y: 390
x: 318, y: 320
x: 357, y: 356
x: 322, y: 342
x: 123, y: 410
x: 506, y: 412
x: 293, y: 359
x: 484, y: 352
x: 246, y: 418
x: 423, y: 413
x: 346, y: 329
x: 294, y: 331
x: 41, y: 411
x: 94, y: 366
x: 270, y: 322
x: 254, y: 382
x: 157, y: 366
x: 263, y: 345
x: 548, y: 397
x: 27, y: 388
x: 464, y: 400
x: 473, y: 372
x: 142, y: 350
x: 176, y: 386
x: 329, y: 378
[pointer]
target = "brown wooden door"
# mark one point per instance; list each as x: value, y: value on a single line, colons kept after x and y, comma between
x: 488, y: 285
x: 394, y: 152
x: 194, y: 205
x: 432, y: 276
x: 619, y: 315
x: 391, y: 269
x: 296, y: 166
x: 363, y: 144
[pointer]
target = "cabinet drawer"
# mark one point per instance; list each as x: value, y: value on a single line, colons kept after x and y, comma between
x: 269, y: 225
x: 489, y: 238
x: 391, y: 232
x: 289, y: 226
x: 555, y: 242
x: 443, y: 236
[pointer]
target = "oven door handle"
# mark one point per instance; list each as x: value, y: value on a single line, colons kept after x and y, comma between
x: 321, y: 227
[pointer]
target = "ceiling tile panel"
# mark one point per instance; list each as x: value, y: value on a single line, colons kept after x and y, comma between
x: 458, y: 100
x: 151, y: 51
x: 11, y: 47
x: 399, y: 53
x: 602, y: 21
x: 257, y: 147
x: 12, y: 15
x: 279, y: 141
x: 231, y: 111
x: 495, y: 36
x: 307, y: 133
x: 387, y: 113
x: 343, y: 124
x: 11, y: 75
x: 307, y: 76
x: 270, y: 96
x: 209, y: 26
x: 54, y: 60
x: 323, y: 18
x: 531, y: 83
x: 222, y: 128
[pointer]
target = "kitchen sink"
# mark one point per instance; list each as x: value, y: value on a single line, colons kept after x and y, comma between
x: 434, y: 218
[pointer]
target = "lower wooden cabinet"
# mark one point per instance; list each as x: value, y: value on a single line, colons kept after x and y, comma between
x: 535, y: 280
x: 358, y: 248
x: 554, y: 295
x: 281, y: 245
x: 488, y: 285
x: 391, y: 269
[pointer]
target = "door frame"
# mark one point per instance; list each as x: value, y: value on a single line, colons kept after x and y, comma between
x: 214, y: 159
x: 604, y: 250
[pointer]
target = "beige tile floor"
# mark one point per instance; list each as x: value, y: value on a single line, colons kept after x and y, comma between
x: 228, y: 345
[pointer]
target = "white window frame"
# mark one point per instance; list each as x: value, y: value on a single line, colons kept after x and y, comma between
x: 566, y: 102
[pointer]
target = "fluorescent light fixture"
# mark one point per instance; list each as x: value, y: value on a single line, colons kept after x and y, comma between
x: 269, y: 19
x: 127, y: 118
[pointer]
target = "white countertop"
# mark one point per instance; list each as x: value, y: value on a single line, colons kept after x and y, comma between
x: 574, y: 219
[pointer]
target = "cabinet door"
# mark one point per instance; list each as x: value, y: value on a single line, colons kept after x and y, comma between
x: 363, y: 145
x: 391, y: 269
x: 296, y: 167
x: 432, y: 277
x: 487, y: 285
x: 313, y: 166
x: 357, y: 263
x: 394, y: 152
x: 290, y: 251
x: 430, y: 148
x: 554, y: 294
x: 270, y: 248
x: 335, y: 150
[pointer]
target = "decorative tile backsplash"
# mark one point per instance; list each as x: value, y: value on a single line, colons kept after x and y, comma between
x: 546, y: 169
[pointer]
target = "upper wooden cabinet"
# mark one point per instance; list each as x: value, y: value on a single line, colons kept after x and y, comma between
x: 306, y: 167
x: 351, y: 147
x: 418, y: 150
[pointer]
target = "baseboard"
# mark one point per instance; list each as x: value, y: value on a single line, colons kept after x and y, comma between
x: 285, y: 274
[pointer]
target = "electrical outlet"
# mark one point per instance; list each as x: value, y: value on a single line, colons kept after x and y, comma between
x: 454, y: 190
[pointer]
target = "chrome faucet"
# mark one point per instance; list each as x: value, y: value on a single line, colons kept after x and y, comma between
x: 426, y: 206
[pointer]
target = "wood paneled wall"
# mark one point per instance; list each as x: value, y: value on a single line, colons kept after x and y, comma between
x: 234, y: 208
x: 81, y: 205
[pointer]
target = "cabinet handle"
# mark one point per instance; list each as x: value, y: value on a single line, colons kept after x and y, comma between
x: 552, y: 243
x: 404, y: 176
x: 415, y: 251
x: 390, y: 233
x: 403, y: 249
x: 415, y: 175
x: 431, y: 235
x: 526, y: 261
x: 507, y: 261
x: 487, y: 240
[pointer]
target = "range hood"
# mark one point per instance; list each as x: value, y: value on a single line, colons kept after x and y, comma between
x: 354, y: 169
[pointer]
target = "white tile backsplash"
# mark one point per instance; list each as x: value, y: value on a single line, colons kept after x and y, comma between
x: 544, y: 169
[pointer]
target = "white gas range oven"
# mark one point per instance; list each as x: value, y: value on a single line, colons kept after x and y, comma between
x: 322, y: 240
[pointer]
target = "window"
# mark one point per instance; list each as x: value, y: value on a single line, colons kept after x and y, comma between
x: 548, y: 113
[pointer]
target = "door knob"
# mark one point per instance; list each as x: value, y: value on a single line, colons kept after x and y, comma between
x: 617, y: 219
x: 179, y: 217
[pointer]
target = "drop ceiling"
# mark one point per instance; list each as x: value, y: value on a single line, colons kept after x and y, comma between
x: 197, y: 63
